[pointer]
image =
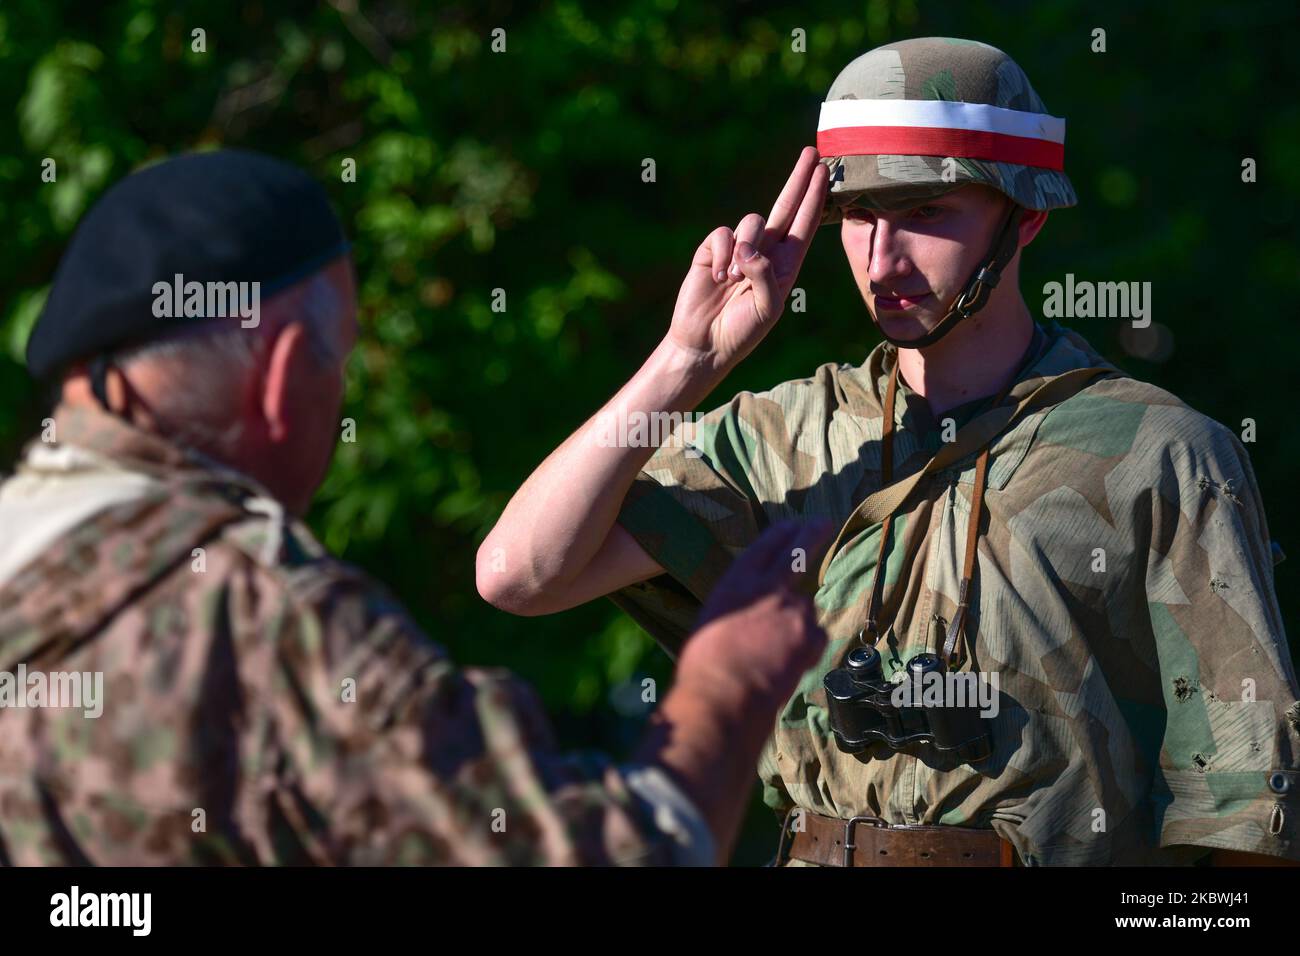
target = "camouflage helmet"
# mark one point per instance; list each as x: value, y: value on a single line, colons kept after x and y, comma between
x: 897, y: 116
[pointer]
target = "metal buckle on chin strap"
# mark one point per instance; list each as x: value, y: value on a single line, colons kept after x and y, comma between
x: 966, y: 301
x: 986, y: 279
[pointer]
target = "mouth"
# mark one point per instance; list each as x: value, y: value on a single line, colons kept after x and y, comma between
x: 900, y: 302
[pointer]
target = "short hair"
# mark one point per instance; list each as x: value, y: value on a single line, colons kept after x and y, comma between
x: 208, y: 365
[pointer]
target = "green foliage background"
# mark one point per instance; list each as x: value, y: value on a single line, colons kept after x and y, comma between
x: 522, y: 170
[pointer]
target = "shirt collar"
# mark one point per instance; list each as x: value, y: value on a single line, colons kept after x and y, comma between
x: 109, y: 437
x: 1052, y: 350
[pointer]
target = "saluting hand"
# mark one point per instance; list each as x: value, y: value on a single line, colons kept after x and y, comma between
x: 738, y: 281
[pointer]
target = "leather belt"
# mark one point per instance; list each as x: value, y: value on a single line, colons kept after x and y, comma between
x: 870, y: 841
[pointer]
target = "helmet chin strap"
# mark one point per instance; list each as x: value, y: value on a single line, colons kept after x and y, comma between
x: 98, y: 371
x: 978, y: 287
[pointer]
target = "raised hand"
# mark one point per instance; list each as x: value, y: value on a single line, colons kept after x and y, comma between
x: 756, y: 637
x: 758, y: 633
x: 738, y: 281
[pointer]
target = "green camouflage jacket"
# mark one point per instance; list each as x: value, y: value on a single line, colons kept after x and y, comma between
x: 262, y: 703
x: 1123, y: 596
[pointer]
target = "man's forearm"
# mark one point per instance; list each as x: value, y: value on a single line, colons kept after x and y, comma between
x: 558, y: 519
x: 710, y: 748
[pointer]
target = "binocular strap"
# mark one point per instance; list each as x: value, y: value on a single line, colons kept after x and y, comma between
x: 881, y: 506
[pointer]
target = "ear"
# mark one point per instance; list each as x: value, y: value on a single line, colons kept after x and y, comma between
x: 288, y: 366
x: 1031, y: 221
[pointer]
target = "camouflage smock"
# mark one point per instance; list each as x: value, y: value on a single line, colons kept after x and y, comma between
x: 263, y: 702
x: 1127, y: 732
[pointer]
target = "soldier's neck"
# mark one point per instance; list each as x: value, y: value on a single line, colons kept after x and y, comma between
x: 975, y: 360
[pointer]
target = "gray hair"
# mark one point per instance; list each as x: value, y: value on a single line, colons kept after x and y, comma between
x: 208, y: 366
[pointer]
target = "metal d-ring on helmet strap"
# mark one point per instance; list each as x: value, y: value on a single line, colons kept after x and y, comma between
x: 978, y: 287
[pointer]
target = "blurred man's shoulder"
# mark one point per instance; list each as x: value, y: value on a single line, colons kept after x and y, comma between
x: 344, y: 601
x: 270, y: 567
x: 229, y: 560
x: 208, y: 619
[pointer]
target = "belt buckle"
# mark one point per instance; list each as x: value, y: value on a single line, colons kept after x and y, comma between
x: 849, y: 845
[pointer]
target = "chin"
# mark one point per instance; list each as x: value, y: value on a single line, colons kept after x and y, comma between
x: 902, y: 325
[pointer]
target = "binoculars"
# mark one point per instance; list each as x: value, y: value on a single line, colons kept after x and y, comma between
x: 863, y: 709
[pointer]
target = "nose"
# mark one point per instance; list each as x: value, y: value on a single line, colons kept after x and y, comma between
x: 889, y: 258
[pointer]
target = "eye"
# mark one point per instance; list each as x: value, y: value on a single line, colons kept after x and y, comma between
x: 928, y: 212
x: 858, y: 214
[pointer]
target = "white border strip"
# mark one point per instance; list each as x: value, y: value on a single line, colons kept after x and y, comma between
x: 941, y: 114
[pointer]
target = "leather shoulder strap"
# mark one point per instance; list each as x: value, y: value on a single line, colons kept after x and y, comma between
x: 977, y: 433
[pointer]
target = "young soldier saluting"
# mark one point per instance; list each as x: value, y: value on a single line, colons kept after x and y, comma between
x: 1011, y: 504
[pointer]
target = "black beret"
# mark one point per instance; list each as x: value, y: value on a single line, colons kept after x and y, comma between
x: 218, y: 217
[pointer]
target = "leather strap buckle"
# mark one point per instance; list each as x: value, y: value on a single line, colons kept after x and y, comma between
x: 835, y: 841
x: 849, y: 845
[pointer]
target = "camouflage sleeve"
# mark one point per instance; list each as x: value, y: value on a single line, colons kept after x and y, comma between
x: 1227, y: 774
x: 380, y: 751
x: 693, y: 508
